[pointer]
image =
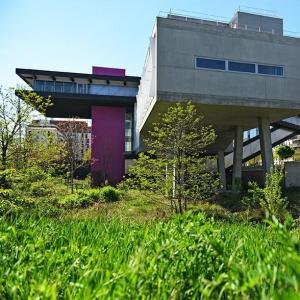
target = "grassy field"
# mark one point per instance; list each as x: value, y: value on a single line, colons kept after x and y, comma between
x: 135, y: 249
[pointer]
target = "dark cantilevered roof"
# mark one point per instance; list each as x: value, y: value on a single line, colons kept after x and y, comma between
x: 113, y: 91
x: 28, y: 75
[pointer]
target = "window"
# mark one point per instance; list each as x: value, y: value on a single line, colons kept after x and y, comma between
x: 270, y: 70
x: 208, y: 63
x: 59, y: 87
x: 241, y: 67
x: 128, y: 130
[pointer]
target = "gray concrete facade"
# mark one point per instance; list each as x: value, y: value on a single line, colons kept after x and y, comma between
x: 237, y: 158
x: 227, y: 99
x: 265, y: 144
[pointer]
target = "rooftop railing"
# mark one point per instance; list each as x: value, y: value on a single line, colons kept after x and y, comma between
x: 213, y: 20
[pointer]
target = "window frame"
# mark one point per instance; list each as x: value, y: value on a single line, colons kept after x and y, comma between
x: 212, y: 59
x: 227, y: 61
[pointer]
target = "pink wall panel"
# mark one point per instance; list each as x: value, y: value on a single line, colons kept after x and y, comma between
x: 108, y: 140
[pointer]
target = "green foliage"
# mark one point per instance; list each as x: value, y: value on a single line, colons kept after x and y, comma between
x: 176, y: 165
x: 85, y: 198
x: 110, y: 194
x: 6, y: 178
x: 284, y: 151
x: 188, y: 257
x: 274, y: 202
x: 269, y: 198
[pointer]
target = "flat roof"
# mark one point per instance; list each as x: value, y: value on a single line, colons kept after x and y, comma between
x: 28, y: 75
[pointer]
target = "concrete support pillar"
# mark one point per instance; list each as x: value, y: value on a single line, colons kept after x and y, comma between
x: 221, y: 169
x: 237, y: 159
x: 265, y: 144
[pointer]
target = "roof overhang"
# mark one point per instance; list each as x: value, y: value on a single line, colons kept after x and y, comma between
x: 66, y: 105
x: 29, y: 75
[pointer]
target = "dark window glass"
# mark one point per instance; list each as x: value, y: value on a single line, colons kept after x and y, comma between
x: 39, y: 85
x: 58, y: 87
x: 49, y: 86
x: 68, y: 87
x: 270, y: 70
x: 241, y: 67
x: 210, y: 63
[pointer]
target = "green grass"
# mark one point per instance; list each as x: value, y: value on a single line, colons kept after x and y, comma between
x: 106, y: 257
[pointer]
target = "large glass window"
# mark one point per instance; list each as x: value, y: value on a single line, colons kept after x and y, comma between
x: 208, y: 63
x: 59, y: 87
x: 69, y: 87
x: 39, y: 85
x: 270, y: 70
x: 49, y: 86
x: 241, y: 67
x: 128, y: 130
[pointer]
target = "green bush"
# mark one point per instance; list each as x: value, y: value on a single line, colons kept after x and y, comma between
x: 41, y: 188
x: 85, y: 198
x: 269, y: 198
x: 110, y: 194
x: 8, y: 208
x: 6, y: 178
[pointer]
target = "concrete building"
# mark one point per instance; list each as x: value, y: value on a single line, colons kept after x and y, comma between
x: 242, y: 74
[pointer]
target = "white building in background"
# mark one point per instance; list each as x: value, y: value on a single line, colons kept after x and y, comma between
x: 41, y: 130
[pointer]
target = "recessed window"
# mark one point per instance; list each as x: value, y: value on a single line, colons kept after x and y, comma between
x: 270, y: 70
x: 241, y: 67
x: 208, y: 63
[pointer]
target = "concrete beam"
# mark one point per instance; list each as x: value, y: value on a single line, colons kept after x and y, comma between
x: 221, y: 169
x: 237, y: 159
x: 265, y: 144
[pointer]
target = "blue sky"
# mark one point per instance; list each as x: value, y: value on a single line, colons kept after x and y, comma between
x: 74, y: 35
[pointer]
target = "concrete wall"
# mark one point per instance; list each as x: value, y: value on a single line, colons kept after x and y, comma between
x: 146, y: 96
x: 254, y: 22
x: 178, y: 42
x: 108, y: 143
x: 292, y: 173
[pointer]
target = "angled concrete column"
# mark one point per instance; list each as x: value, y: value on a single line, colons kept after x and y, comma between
x: 221, y: 169
x: 265, y: 144
x: 237, y: 159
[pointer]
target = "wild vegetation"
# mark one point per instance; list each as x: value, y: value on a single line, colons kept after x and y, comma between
x: 164, y: 233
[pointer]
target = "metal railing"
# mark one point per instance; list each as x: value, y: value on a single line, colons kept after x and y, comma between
x: 213, y: 20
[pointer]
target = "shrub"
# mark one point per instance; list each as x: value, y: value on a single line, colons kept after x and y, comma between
x: 8, y: 208
x: 110, y: 194
x: 6, y: 178
x: 85, y: 198
x: 273, y: 202
x: 269, y: 198
x: 41, y: 188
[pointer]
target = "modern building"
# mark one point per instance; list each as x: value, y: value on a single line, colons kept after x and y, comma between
x: 242, y: 74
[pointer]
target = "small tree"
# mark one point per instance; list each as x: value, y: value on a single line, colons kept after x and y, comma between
x: 284, y: 152
x: 16, y: 108
x: 72, y: 132
x: 176, y: 165
x: 269, y: 198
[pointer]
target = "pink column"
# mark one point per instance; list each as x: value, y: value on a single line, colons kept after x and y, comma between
x: 108, y: 144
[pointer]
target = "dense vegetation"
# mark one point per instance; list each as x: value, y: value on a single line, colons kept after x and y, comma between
x: 186, y: 257
x: 164, y: 233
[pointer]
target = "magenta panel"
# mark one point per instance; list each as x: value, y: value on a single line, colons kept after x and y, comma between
x: 108, y: 144
x: 108, y: 71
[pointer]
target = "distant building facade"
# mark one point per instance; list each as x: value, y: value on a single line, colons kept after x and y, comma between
x: 42, y: 130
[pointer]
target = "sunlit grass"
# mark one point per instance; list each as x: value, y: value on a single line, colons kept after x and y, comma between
x: 188, y: 257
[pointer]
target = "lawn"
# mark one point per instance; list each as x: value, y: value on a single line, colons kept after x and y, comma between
x: 135, y: 249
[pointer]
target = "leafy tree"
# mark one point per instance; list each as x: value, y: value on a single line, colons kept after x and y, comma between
x: 284, y: 152
x: 176, y: 165
x: 14, y: 115
x: 72, y: 132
